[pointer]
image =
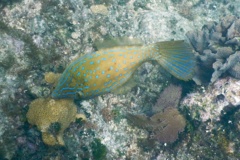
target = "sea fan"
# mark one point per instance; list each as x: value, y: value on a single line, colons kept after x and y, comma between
x: 166, y: 122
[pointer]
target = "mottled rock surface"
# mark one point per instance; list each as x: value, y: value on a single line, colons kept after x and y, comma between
x: 37, y: 37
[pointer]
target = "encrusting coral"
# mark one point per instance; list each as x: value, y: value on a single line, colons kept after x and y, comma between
x: 52, y: 78
x: 217, y: 46
x: 45, y: 112
x: 52, y: 116
x: 166, y: 122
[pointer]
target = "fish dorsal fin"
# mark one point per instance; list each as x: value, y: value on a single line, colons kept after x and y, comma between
x: 111, y: 42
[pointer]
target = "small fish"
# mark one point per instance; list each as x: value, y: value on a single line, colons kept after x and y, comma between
x: 108, y: 69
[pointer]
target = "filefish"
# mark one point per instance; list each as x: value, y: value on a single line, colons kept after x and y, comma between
x: 109, y: 69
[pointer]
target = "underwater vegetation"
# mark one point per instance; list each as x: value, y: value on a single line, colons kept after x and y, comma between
x: 99, y: 151
x: 217, y: 48
x: 166, y: 121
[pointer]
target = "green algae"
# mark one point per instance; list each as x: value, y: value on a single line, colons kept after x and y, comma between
x: 99, y: 151
x: 193, y: 119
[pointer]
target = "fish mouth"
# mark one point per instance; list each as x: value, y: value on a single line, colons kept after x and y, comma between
x: 55, y: 95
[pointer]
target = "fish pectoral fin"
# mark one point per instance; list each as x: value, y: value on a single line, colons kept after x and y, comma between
x: 126, y: 87
x: 112, y: 42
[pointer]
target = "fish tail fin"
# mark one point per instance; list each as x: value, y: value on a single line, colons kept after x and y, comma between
x: 177, y: 58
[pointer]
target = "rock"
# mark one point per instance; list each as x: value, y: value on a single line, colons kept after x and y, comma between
x: 99, y: 9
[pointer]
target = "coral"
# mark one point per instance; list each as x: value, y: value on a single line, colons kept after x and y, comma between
x: 46, y: 112
x: 52, y: 78
x: 217, y: 46
x: 168, y: 98
x: 220, y: 67
x: 163, y: 126
x: 235, y: 70
x: 166, y: 122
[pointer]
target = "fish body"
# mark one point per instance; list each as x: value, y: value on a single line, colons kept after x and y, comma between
x: 108, y: 69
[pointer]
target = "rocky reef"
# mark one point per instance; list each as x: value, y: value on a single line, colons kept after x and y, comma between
x: 38, y: 37
x: 213, y: 110
x: 212, y: 100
